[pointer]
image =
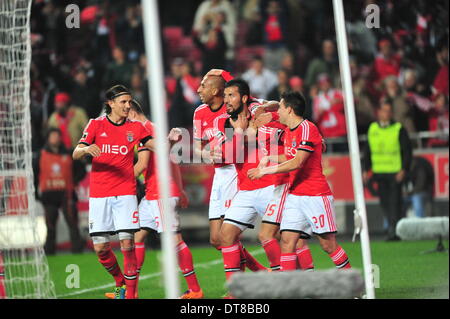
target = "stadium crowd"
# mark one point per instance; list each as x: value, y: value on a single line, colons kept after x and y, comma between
x: 275, y: 45
x: 278, y: 44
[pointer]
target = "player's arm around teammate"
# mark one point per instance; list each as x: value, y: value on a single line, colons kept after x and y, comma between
x: 309, y: 204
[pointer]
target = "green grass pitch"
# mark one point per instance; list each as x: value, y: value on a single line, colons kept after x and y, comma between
x: 404, y: 272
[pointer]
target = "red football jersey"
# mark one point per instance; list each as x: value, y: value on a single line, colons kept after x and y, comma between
x: 276, y: 144
x: 112, y: 172
x: 308, y: 180
x: 206, y: 124
x: 269, y: 141
x: 151, y: 178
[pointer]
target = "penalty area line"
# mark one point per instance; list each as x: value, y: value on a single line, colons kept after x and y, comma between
x: 152, y: 275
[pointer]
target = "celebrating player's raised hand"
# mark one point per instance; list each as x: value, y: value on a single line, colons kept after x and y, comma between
x: 213, y: 72
x: 174, y: 134
x: 241, y: 123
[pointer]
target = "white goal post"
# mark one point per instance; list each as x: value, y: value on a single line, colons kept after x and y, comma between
x: 24, y: 270
x: 350, y: 117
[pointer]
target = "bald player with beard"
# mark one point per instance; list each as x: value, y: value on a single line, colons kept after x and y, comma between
x: 224, y: 187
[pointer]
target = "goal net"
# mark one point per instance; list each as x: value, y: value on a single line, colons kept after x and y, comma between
x: 24, y: 271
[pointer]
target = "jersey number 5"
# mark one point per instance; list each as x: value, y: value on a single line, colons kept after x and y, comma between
x: 135, y: 217
x: 271, y: 210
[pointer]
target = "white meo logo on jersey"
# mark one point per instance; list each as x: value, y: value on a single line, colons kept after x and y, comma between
x: 114, y: 149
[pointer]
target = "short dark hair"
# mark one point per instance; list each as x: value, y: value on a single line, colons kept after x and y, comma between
x: 386, y: 101
x: 296, y: 101
x: 242, y: 86
x: 112, y: 93
x: 51, y: 130
x: 136, y: 106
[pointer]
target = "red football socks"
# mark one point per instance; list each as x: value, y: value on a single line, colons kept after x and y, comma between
x: 231, y: 259
x: 273, y: 252
x: 139, y: 250
x: 288, y: 261
x: 186, y: 264
x: 305, y: 258
x: 109, y: 261
x: 340, y: 258
x: 250, y: 261
x: 130, y: 274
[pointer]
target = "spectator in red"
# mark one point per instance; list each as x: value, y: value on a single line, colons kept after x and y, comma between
x: 440, y: 84
x: 275, y: 17
x: 438, y: 120
x: 386, y: 63
x: 69, y: 119
x: 328, y: 109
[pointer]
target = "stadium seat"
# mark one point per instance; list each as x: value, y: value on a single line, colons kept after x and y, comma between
x: 245, y: 54
x: 173, y: 33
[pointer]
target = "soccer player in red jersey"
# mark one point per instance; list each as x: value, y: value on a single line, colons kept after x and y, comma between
x: 270, y: 225
x: 253, y: 197
x: 308, y: 207
x: 206, y: 130
x: 110, y: 140
x: 151, y: 214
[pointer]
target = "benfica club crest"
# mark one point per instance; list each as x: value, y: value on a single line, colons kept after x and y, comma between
x: 294, y: 143
x: 130, y: 136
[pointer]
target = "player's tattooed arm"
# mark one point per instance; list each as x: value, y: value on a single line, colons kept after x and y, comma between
x: 83, y: 150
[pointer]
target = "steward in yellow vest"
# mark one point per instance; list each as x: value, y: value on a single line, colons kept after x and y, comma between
x: 388, y: 157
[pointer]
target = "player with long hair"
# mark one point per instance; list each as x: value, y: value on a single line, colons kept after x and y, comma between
x: 113, y: 209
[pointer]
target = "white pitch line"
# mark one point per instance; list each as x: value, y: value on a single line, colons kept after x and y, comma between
x: 145, y: 277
